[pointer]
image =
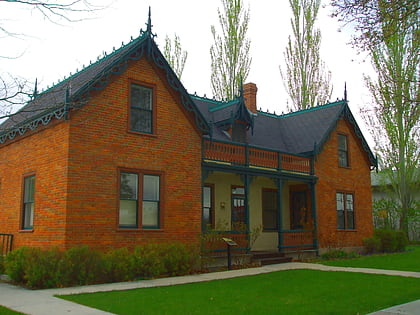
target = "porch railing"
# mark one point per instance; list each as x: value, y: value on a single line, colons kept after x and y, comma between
x: 212, y: 242
x: 247, y: 155
x: 6, y: 243
x: 294, y: 239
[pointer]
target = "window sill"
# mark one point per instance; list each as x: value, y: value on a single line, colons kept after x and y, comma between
x: 347, y: 230
x: 26, y: 231
x: 139, y: 133
x: 345, y: 167
x: 139, y: 230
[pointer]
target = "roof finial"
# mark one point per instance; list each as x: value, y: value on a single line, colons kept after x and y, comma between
x: 149, y: 22
x: 35, y: 93
x: 345, y: 91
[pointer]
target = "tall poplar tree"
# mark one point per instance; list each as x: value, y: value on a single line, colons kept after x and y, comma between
x: 174, y: 54
x: 305, y: 78
x: 230, y: 59
x: 394, y: 116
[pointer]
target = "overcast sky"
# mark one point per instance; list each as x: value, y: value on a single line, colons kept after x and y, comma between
x: 49, y: 51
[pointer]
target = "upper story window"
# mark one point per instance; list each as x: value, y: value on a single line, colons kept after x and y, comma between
x: 343, y: 152
x: 28, y: 202
x: 141, y: 108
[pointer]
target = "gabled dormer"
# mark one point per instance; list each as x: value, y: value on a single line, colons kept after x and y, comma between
x: 59, y: 101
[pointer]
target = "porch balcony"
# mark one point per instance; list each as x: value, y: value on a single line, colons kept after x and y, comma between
x: 252, y: 156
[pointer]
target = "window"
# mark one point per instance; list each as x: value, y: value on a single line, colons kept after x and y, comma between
x: 345, y: 211
x: 208, y: 217
x: 238, y: 208
x: 139, y: 200
x: 239, y: 132
x: 28, y: 202
x: 343, y: 156
x: 141, y: 108
x: 269, y: 209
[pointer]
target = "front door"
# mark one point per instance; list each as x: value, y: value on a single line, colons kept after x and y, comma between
x: 298, y: 209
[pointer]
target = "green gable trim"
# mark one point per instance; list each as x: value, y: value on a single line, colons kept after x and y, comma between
x: 76, y: 88
x: 346, y: 114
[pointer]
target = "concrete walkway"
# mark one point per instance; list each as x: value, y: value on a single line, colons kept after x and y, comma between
x: 43, y: 301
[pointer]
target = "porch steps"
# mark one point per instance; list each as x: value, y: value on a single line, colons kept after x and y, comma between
x: 269, y: 258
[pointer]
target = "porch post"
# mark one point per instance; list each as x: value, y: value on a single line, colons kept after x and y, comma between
x: 279, y: 183
x: 247, y: 183
x: 313, y: 203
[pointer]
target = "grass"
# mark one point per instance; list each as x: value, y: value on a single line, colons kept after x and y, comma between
x: 406, y: 261
x: 283, y: 292
x: 6, y: 311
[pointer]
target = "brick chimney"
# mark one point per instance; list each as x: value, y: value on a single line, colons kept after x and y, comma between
x: 250, y: 95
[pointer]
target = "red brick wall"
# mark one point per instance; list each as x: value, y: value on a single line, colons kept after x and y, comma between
x: 100, y: 144
x: 354, y: 179
x: 76, y: 163
x: 43, y: 153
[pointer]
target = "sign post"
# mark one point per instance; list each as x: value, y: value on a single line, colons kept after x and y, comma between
x: 229, y: 243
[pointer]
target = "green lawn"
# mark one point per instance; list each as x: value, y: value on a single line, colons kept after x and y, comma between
x: 407, y: 261
x: 283, y: 292
x: 6, y: 311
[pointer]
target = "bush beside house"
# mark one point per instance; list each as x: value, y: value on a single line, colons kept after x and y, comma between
x: 47, y: 268
x: 386, y: 241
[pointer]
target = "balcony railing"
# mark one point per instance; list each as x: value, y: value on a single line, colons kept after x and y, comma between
x: 246, y: 155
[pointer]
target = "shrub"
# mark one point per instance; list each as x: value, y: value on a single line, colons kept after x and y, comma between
x: 15, y: 264
x: 179, y: 259
x: 147, y: 261
x: 41, y: 267
x: 386, y: 241
x: 402, y: 240
x: 338, y: 254
x: 151, y: 260
x: 81, y: 266
x: 119, y: 265
x: 372, y: 244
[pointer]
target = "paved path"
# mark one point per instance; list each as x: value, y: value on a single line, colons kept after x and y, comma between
x: 41, y: 302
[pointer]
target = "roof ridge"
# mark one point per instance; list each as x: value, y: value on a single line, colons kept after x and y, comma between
x: 205, y: 98
x: 91, y: 64
x: 338, y: 102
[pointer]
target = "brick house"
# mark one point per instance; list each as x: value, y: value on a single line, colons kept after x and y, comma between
x: 119, y: 154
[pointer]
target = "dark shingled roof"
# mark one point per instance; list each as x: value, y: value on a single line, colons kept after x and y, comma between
x: 74, y: 91
x: 302, y: 132
x: 74, y: 86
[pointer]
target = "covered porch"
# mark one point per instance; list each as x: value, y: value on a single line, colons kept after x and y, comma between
x: 264, y: 200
